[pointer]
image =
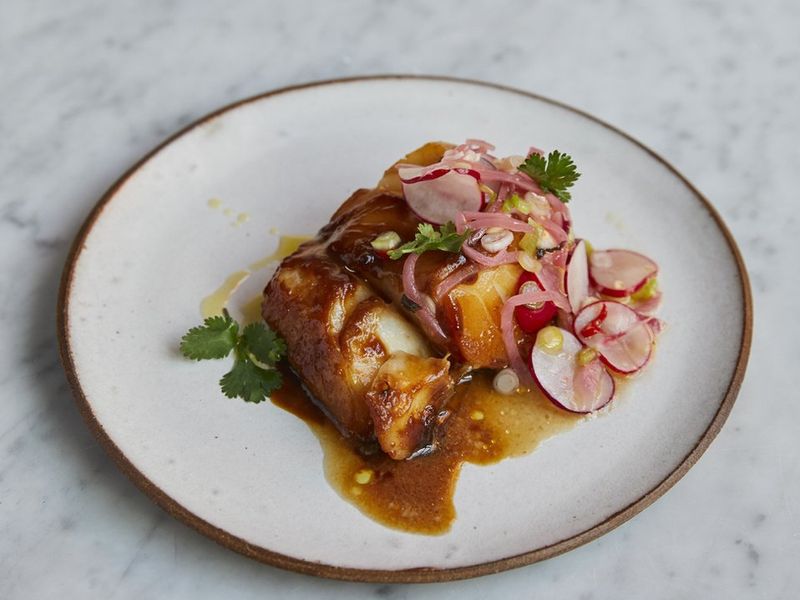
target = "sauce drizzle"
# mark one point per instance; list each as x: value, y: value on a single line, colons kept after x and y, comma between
x: 214, y: 303
x: 416, y: 495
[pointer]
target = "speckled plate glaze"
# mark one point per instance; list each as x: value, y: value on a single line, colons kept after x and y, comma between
x: 250, y: 476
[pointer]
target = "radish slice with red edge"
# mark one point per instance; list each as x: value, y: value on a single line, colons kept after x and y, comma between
x: 620, y: 273
x: 438, y: 195
x: 578, y: 277
x: 594, y: 386
x: 417, y: 174
x: 622, y: 337
x: 531, y: 319
x: 568, y: 384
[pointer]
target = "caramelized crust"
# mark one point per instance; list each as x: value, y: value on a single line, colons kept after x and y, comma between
x: 469, y: 313
x: 404, y: 399
x: 308, y: 302
x: 344, y: 341
x: 352, y: 339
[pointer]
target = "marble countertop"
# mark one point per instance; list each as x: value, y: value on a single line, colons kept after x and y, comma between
x: 87, y: 87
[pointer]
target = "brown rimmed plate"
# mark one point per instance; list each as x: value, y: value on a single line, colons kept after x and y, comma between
x: 250, y: 476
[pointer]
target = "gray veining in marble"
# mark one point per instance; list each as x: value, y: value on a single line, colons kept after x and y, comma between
x: 86, y: 87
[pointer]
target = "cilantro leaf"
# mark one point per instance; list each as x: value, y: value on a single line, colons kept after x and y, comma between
x: 215, y: 338
x: 256, y: 350
x: 248, y: 381
x: 554, y: 174
x: 427, y: 238
x: 263, y: 343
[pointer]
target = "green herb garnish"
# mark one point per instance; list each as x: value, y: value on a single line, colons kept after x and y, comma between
x: 256, y: 351
x: 427, y: 238
x: 554, y: 174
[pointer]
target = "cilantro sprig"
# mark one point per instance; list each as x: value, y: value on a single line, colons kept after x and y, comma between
x: 256, y: 350
x: 428, y: 238
x: 554, y: 174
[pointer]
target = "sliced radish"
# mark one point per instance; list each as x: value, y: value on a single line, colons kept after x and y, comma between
x: 618, y: 333
x: 438, y: 195
x: 594, y: 386
x: 578, y: 277
x: 575, y: 387
x: 620, y: 273
x: 532, y: 318
x: 592, y: 325
x: 417, y: 174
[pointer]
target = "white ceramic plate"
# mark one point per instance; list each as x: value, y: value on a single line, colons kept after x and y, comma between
x: 251, y: 476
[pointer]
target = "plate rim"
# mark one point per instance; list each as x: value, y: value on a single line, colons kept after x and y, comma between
x: 419, y: 574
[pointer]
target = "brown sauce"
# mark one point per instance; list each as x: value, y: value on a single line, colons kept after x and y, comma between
x: 416, y: 495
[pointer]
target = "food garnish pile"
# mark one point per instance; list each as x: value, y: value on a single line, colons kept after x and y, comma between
x: 457, y: 261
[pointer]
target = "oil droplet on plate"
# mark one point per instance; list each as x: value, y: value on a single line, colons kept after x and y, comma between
x: 363, y: 476
x: 216, y: 301
x: 287, y: 244
x: 251, y: 309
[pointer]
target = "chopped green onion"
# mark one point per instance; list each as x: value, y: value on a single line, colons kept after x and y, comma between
x: 647, y: 291
x: 528, y: 242
x: 528, y: 262
x: 388, y: 240
x: 585, y: 356
x: 550, y: 339
x: 515, y: 202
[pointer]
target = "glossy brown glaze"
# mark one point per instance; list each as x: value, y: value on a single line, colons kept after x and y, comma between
x: 417, y: 495
x: 404, y: 399
x: 364, y: 216
x: 468, y: 312
x: 302, y: 303
x: 359, y: 356
x: 332, y: 298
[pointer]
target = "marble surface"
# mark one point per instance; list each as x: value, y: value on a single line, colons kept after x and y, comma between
x: 87, y: 87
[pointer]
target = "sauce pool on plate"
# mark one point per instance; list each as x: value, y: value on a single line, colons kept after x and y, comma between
x: 216, y: 301
x: 483, y: 427
x: 416, y: 495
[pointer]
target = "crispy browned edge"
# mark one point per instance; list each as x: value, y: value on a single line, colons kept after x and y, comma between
x: 368, y: 575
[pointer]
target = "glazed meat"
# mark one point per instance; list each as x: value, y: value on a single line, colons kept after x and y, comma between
x: 369, y: 368
x: 404, y: 399
x: 458, y: 260
x: 362, y: 350
x: 468, y: 313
